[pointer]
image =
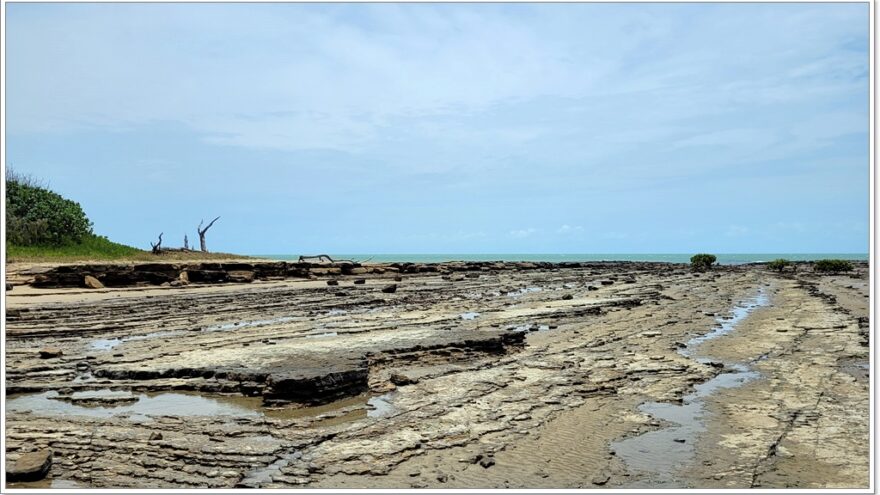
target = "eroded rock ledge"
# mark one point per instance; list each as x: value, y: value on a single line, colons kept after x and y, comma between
x: 129, y: 275
x: 317, y: 380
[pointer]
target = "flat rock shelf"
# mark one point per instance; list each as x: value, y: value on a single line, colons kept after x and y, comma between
x: 467, y: 375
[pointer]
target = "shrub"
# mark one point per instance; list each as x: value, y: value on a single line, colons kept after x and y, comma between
x: 702, y: 262
x: 38, y: 216
x: 778, y: 264
x: 832, y: 266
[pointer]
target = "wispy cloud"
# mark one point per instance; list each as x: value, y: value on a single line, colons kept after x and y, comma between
x: 355, y: 77
x: 568, y: 229
x: 736, y: 231
x: 522, y: 233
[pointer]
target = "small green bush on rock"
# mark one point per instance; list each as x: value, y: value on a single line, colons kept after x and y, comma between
x: 832, y: 266
x: 778, y: 265
x: 702, y: 262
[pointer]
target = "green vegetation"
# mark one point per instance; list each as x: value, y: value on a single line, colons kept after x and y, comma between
x: 41, y: 225
x: 833, y: 266
x: 778, y: 264
x: 91, y: 247
x: 702, y: 262
x: 36, y: 216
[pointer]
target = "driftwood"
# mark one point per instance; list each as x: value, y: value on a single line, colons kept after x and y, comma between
x: 157, y: 247
x: 202, y: 233
x: 322, y: 258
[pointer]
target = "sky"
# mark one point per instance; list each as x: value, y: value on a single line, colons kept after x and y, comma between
x: 450, y: 128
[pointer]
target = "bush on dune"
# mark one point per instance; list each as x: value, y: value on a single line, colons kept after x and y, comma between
x: 42, y: 224
x: 37, y: 216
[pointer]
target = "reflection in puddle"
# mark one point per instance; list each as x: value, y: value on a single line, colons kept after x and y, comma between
x: 321, y: 335
x: 162, y: 404
x: 523, y: 291
x: 244, y: 324
x: 97, y: 398
x: 45, y: 483
x: 726, y: 323
x: 528, y: 327
x: 140, y: 407
x: 380, y: 407
x: 107, y: 344
x: 661, y: 452
x: 470, y: 315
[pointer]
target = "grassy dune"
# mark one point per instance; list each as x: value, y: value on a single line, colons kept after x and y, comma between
x: 101, y: 249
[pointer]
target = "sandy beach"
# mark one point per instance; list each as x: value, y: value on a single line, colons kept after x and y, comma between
x: 467, y: 375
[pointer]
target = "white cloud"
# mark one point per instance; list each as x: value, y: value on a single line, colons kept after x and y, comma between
x: 522, y: 233
x: 798, y: 227
x: 614, y: 235
x: 568, y: 229
x: 736, y: 231
x: 347, y: 77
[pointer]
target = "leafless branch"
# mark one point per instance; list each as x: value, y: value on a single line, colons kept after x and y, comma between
x: 157, y: 247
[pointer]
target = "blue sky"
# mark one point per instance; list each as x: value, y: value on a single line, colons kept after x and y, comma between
x: 432, y: 128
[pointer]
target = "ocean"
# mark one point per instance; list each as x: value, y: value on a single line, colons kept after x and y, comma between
x: 724, y: 259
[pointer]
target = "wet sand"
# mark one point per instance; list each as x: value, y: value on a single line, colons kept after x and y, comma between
x: 490, y: 376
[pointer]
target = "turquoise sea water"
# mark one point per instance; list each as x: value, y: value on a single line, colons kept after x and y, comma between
x: 725, y: 259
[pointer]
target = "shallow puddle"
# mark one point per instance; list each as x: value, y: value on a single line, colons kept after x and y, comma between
x: 324, y: 413
x: 46, y: 483
x: 222, y: 327
x: 107, y: 344
x: 523, y: 291
x: 528, y: 327
x: 470, y: 315
x: 140, y: 407
x: 661, y: 452
x: 380, y: 407
x: 145, y: 405
x: 321, y: 335
x: 726, y: 324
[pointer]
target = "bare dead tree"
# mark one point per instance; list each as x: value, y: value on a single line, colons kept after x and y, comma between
x: 185, y: 243
x: 203, y: 231
x: 157, y: 247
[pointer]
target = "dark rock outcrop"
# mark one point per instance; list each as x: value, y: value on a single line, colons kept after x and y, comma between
x: 50, y: 352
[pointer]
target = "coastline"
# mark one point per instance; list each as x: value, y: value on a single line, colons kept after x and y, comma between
x: 723, y: 258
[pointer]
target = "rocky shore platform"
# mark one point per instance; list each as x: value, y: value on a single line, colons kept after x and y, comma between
x: 448, y: 375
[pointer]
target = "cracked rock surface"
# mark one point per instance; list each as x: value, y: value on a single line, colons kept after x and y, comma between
x: 481, y: 375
